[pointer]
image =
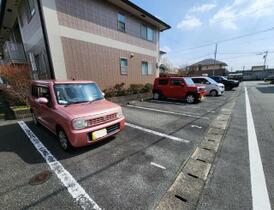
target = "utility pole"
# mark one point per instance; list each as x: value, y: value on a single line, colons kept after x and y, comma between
x: 265, y: 57
x: 215, y: 57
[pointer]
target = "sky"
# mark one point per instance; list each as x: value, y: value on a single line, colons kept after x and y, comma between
x: 197, y: 23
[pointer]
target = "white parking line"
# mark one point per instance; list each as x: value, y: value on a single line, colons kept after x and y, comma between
x: 77, y: 192
x: 157, y: 165
x: 168, y: 112
x: 157, y: 133
x: 196, y: 126
x: 260, y: 198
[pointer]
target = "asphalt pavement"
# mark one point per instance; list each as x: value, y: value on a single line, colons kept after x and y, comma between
x: 230, y: 185
x: 129, y: 171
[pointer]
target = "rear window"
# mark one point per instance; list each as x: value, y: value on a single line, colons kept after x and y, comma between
x: 189, y: 81
x: 34, y: 91
x: 162, y: 81
x: 176, y: 82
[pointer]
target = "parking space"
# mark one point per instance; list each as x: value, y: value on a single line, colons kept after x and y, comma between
x: 129, y: 171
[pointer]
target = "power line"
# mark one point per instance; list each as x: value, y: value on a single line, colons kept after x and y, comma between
x: 226, y: 40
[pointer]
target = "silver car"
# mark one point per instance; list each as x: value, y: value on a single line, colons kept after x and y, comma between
x: 212, y: 87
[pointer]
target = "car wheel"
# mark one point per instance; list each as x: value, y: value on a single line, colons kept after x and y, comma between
x: 34, y: 119
x: 213, y: 93
x: 190, y: 99
x: 63, y: 141
x: 156, y: 96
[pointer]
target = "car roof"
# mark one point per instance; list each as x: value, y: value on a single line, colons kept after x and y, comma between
x: 62, y: 81
x: 172, y: 77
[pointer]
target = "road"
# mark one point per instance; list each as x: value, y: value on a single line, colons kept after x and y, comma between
x: 230, y: 186
x: 134, y: 169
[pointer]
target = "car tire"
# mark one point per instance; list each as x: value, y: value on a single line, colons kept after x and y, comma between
x: 63, y: 140
x: 156, y: 96
x: 213, y: 93
x: 34, y: 119
x: 190, y: 99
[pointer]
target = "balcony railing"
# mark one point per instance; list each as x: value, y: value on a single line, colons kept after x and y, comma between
x: 14, y: 53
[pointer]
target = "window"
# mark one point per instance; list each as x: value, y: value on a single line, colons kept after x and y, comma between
x: 34, y: 91
x: 147, y: 33
x: 77, y: 93
x: 121, y: 22
x: 123, y: 66
x: 31, y: 8
x: 32, y: 61
x: 163, y: 82
x: 147, y: 68
x: 150, y: 34
x: 176, y: 82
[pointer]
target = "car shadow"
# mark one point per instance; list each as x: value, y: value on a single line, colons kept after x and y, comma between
x: 267, y: 90
x: 170, y: 101
x: 14, y: 140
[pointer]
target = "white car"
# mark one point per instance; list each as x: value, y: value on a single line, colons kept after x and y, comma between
x: 212, y: 87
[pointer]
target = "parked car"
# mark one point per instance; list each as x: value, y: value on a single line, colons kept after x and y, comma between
x: 229, y: 83
x: 211, y: 86
x: 270, y: 79
x: 76, y: 111
x: 177, y: 88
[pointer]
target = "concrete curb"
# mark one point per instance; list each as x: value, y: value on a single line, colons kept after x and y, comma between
x: 185, y: 191
x: 11, y: 122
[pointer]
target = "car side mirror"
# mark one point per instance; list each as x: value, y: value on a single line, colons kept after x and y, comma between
x: 208, y: 83
x: 42, y: 100
x: 182, y: 84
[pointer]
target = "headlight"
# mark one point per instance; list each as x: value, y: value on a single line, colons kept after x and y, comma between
x: 79, y: 124
x: 120, y: 114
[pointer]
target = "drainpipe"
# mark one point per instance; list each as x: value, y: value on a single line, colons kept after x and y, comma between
x: 45, y: 36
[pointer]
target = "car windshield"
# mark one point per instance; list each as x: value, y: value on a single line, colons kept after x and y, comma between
x: 77, y: 93
x: 189, y: 81
x: 212, y: 81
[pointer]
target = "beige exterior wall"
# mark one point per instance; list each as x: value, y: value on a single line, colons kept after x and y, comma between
x: 101, y: 64
x: 85, y: 43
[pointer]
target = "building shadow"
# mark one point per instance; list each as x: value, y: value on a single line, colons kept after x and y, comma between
x: 267, y: 90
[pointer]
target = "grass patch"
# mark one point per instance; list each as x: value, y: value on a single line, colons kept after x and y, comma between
x: 19, y: 108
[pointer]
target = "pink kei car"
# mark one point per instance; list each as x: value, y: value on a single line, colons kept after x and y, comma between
x: 76, y: 111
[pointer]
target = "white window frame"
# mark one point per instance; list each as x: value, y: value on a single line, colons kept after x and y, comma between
x: 144, y: 31
x: 121, y: 22
x: 123, y: 69
x: 149, y: 68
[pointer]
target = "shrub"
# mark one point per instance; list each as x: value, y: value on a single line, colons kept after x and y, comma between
x: 120, y: 89
x: 19, y: 82
x: 147, y: 88
x: 109, y: 93
x: 135, y: 88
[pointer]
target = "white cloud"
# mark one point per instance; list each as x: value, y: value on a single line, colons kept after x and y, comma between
x: 228, y: 16
x: 202, y: 8
x: 166, y: 49
x: 189, y: 23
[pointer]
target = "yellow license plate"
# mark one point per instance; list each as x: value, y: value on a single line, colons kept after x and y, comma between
x: 99, y: 134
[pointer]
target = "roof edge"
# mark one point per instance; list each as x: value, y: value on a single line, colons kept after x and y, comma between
x: 147, y: 14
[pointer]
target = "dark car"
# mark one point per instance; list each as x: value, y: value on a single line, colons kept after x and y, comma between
x: 228, y: 83
x: 270, y: 79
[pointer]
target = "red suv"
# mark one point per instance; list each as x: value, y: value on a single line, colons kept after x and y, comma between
x: 177, y: 88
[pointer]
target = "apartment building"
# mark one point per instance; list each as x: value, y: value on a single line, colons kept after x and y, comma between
x: 108, y: 41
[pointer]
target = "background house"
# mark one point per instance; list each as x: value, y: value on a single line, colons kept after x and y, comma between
x: 208, y: 66
x: 107, y: 41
